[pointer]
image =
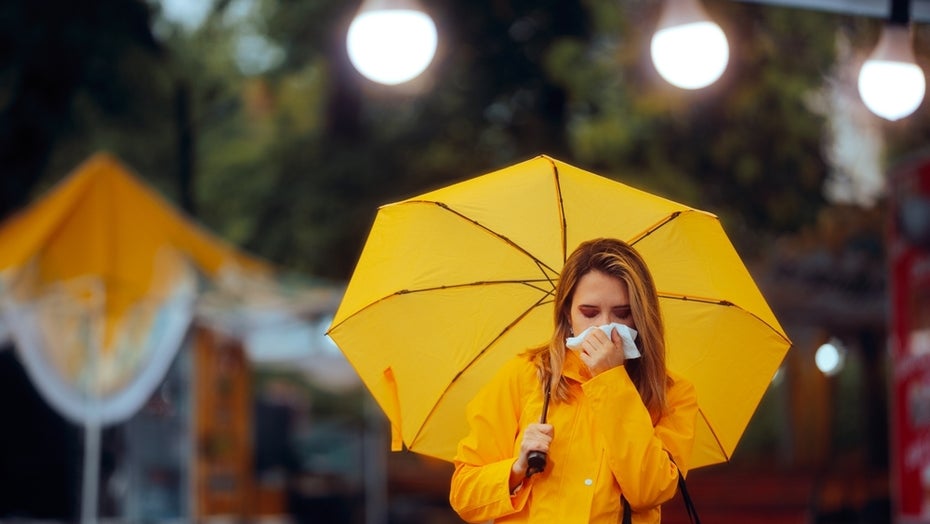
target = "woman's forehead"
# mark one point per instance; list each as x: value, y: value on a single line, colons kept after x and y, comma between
x: 596, y: 284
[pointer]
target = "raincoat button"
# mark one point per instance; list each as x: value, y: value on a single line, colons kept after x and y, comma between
x: 588, y: 482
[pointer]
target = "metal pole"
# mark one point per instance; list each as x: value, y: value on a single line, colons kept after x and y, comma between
x: 90, y: 484
x: 375, y: 463
x: 91, y: 472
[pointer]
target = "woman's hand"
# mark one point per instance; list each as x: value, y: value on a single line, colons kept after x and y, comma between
x: 601, y: 353
x: 536, y: 437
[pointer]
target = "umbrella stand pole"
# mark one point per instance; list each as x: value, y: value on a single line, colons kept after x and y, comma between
x: 90, y: 484
x: 376, y: 505
x: 91, y: 481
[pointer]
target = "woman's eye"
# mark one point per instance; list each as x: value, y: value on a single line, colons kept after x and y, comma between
x: 589, y: 312
x: 623, y: 313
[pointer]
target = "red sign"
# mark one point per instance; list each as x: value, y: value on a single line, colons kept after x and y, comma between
x: 909, y: 256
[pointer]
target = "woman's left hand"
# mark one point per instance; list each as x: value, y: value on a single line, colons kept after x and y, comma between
x: 601, y: 353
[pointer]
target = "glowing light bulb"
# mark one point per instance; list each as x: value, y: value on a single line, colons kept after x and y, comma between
x: 688, y: 50
x: 891, y: 84
x: 830, y: 357
x: 391, y: 42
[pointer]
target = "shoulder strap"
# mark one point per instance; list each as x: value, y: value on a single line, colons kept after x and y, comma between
x: 689, y: 505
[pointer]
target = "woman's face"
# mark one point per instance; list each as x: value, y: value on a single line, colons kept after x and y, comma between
x: 599, y: 299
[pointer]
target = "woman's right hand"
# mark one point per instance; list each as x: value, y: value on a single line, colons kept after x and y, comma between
x: 536, y: 437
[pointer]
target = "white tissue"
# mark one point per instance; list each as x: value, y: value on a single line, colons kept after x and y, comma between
x: 626, y: 333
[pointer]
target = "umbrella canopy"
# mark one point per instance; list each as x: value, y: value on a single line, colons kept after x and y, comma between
x: 98, y: 285
x: 99, y: 282
x: 452, y: 283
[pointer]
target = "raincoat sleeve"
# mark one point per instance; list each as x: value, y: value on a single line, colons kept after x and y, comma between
x: 645, y: 459
x: 480, y: 488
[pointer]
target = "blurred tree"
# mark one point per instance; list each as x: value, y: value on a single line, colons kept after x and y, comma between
x: 342, y: 146
x: 747, y: 147
x: 512, y: 80
x: 63, y: 63
x: 255, y: 118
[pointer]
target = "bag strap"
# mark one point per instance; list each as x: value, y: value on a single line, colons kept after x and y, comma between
x: 689, y: 505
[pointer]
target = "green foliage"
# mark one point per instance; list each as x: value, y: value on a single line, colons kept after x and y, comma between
x: 66, y: 67
x: 511, y: 82
x: 746, y: 148
x: 292, y: 162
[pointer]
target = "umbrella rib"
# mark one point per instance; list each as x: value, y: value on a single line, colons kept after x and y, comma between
x: 542, y: 301
x: 655, y: 227
x: 542, y: 265
x: 714, y: 434
x: 687, y: 298
x: 525, y: 282
x: 725, y: 303
x: 563, y: 227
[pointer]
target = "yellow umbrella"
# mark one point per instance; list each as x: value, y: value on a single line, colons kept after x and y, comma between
x: 452, y: 283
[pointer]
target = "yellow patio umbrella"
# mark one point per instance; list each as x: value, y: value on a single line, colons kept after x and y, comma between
x: 98, y: 282
x: 452, y: 283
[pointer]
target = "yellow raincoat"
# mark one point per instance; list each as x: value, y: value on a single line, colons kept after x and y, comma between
x: 605, y: 443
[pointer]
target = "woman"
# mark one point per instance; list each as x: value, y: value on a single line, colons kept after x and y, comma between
x: 614, y: 426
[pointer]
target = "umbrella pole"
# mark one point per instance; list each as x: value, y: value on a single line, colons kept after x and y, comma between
x: 536, y: 460
x: 90, y: 484
x: 91, y: 481
x: 376, y: 507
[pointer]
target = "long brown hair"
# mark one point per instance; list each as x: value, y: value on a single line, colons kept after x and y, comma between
x: 617, y: 259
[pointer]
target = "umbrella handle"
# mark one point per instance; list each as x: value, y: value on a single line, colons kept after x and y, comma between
x: 536, y: 460
x: 536, y: 463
